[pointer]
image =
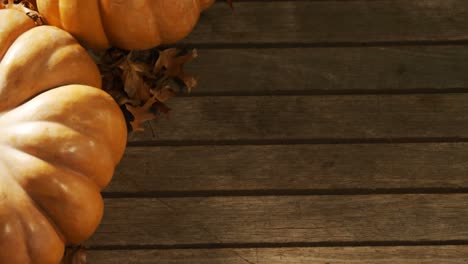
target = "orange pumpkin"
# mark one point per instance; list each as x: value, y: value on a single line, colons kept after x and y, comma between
x: 124, y: 24
x: 60, y: 140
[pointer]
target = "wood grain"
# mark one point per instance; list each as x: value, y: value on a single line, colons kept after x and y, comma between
x: 358, y: 255
x: 311, y: 117
x: 290, y: 93
x: 253, y: 71
x: 282, y: 219
x: 333, y: 21
x: 291, y: 167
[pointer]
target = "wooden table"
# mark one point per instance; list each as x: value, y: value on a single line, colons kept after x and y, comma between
x: 321, y: 132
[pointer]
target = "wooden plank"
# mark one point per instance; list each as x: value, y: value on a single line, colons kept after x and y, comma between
x: 329, y: 70
x: 311, y: 117
x: 282, y: 219
x: 333, y: 21
x: 333, y: 255
x: 291, y: 167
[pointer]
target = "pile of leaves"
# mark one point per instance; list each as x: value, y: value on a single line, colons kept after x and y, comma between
x: 142, y: 81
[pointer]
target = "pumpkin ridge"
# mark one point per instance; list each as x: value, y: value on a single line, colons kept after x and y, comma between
x: 61, y: 63
x: 67, y: 197
x: 86, y: 25
x: 91, y: 102
x: 100, y: 151
x: 27, y: 247
x: 44, y: 212
x: 101, y: 24
x: 35, y: 205
x: 49, y: 220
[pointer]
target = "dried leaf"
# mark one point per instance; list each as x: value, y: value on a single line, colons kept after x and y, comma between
x: 171, y: 64
x: 164, y: 94
x: 134, y: 84
x: 141, y: 81
x: 121, y: 98
x: 141, y: 114
x: 189, y: 81
x: 75, y: 255
x: 230, y: 3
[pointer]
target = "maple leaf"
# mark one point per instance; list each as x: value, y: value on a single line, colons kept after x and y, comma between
x: 164, y: 94
x: 134, y: 84
x: 141, y: 81
x: 230, y: 3
x: 142, y: 113
x: 171, y: 64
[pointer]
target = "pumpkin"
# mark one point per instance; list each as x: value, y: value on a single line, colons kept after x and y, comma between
x: 124, y: 24
x: 60, y: 140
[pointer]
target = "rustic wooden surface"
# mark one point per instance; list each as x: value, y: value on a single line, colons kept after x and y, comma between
x: 321, y: 132
x: 283, y: 219
x: 295, y: 255
x: 330, y: 70
x: 301, y: 168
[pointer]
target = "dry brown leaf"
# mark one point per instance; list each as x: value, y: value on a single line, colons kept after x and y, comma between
x: 134, y: 84
x: 141, y: 81
x: 121, y: 98
x: 141, y: 114
x: 164, y: 94
x: 189, y: 81
x: 171, y: 64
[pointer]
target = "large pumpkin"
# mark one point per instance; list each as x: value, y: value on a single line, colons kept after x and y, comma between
x: 60, y: 139
x: 130, y: 25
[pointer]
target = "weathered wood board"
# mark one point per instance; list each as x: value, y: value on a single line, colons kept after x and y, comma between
x: 330, y: 70
x: 322, y: 22
x: 282, y: 118
x: 332, y: 255
x: 283, y: 219
x: 270, y: 169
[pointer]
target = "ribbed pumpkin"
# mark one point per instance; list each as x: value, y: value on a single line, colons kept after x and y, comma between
x: 130, y: 25
x: 60, y: 140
